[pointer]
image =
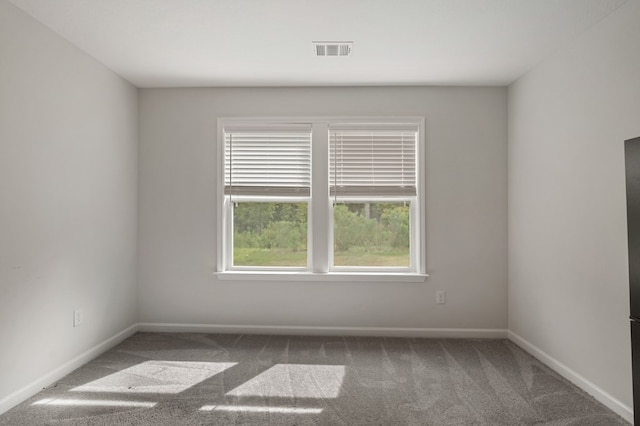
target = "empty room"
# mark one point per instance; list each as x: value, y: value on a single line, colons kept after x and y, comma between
x: 296, y: 212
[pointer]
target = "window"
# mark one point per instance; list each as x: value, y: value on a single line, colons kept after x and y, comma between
x: 267, y: 185
x: 372, y: 181
x: 321, y: 196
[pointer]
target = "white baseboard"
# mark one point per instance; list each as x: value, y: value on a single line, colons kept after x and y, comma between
x: 48, y: 379
x: 592, y: 389
x: 480, y: 333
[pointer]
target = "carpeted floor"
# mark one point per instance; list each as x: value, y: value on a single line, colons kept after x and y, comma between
x: 216, y: 379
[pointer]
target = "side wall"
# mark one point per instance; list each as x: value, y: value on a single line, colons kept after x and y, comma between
x: 68, y: 184
x: 568, y: 279
x: 466, y: 212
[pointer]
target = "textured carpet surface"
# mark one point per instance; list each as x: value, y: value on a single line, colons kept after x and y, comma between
x: 216, y: 379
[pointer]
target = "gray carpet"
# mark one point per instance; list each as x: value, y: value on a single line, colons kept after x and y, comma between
x: 216, y: 379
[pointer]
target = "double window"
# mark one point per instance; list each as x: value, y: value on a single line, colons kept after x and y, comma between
x: 321, y: 196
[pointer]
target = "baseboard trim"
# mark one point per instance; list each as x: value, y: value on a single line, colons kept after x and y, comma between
x: 480, y: 333
x: 589, y: 387
x: 58, y: 373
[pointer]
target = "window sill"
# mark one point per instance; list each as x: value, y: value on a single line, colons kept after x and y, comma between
x: 331, y: 276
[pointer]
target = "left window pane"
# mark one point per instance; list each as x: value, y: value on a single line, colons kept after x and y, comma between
x: 270, y: 234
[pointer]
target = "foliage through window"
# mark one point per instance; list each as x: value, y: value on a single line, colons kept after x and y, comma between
x: 270, y: 234
x: 371, y: 234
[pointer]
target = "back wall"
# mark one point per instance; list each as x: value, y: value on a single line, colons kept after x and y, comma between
x: 466, y: 138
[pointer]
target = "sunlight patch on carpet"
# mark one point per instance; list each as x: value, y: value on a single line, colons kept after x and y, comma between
x: 294, y: 381
x: 93, y: 403
x: 156, y: 377
x: 257, y: 409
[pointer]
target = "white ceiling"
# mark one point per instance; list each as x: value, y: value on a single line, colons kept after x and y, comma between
x: 178, y: 43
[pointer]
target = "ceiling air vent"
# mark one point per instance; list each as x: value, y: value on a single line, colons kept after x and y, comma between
x: 332, y: 48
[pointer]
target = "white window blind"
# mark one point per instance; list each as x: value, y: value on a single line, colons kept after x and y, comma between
x: 372, y: 161
x: 268, y: 161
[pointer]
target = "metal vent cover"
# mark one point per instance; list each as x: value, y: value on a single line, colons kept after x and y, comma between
x: 332, y: 48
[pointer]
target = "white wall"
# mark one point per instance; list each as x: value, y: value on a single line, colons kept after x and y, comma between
x: 466, y: 212
x: 68, y: 153
x: 568, y: 279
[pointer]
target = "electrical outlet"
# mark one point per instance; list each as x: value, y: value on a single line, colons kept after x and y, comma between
x: 78, y: 317
x: 440, y: 297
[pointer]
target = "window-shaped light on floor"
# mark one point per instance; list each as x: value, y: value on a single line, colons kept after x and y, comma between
x: 93, y: 403
x: 294, y: 381
x: 262, y: 409
x: 156, y: 377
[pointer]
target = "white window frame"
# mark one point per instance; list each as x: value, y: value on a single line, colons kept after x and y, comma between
x: 319, y: 236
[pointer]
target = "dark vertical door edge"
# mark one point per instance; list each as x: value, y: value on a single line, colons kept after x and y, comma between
x: 632, y: 167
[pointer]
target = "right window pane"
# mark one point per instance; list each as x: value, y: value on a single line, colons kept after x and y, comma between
x: 375, y: 234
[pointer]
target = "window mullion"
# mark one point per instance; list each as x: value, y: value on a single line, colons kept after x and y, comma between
x: 319, y: 208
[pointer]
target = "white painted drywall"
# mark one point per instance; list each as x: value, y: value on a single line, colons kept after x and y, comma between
x: 568, y: 279
x: 68, y: 184
x: 466, y: 212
